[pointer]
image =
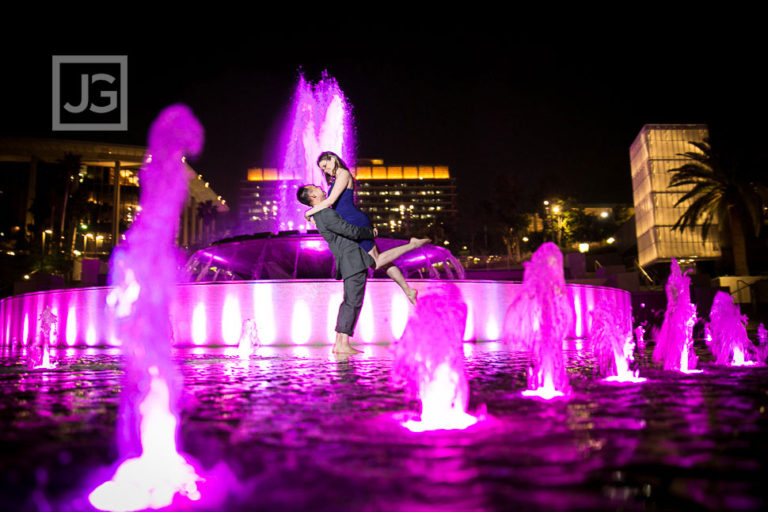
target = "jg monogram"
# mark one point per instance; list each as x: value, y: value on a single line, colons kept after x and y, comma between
x: 102, y: 98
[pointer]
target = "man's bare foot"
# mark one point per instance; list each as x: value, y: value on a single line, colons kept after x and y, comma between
x: 345, y: 349
x: 418, y: 242
x: 412, y: 293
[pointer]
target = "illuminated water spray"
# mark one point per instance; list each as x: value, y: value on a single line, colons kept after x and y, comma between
x: 538, y: 320
x: 248, y: 343
x: 429, y: 360
x: 142, y: 275
x: 613, y: 345
x: 40, y: 357
x: 321, y: 121
x: 674, y: 342
x: 727, y: 333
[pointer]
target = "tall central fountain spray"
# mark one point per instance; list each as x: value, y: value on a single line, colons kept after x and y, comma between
x: 538, y: 320
x: 321, y: 121
x: 143, y: 276
x: 674, y: 342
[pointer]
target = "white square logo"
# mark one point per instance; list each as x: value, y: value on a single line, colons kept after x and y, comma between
x: 90, y: 93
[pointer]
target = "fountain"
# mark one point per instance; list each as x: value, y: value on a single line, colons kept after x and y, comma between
x: 429, y: 360
x: 40, y: 356
x: 674, y: 342
x: 613, y: 346
x: 321, y: 121
x: 538, y: 320
x: 249, y: 339
x: 762, y: 339
x: 283, y: 281
x: 727, y: 333
x: 142, y: 278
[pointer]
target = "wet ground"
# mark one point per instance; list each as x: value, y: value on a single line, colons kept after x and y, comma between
x: 296, y: 429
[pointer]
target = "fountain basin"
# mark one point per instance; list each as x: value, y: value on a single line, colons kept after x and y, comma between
x: 286, y: 312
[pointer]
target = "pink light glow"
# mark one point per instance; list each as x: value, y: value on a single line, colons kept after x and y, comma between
x: 674, y: 342
x: 331, y: 315
x: 231, y: 321
x: 321, y: 122
x: 71, y: 332
x: 613, y: 346
x: 399, y: 314
x: 197, y: 310
x: 469, y: 328
x: 301, y: 325
x: 249, y: 340
x: 142, y: 277
x: 25, y: 337
x: 263, y: 312
x: 577, y: 310
x: 439, y: 408
x: 151, y: 480
x: 429, y: 360
x: 199, y: 328
x: 727, y: 333
x: 491, y: 329
x: 365, y: 322
x: 90, y: 336
x: 538, y: 320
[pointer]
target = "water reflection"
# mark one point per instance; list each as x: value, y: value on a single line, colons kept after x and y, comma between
x: 299, y: 430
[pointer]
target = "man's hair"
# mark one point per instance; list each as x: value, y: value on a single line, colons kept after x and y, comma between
x: 303, y: 195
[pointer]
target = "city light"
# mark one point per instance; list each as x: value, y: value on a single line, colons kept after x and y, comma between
x: 611, y: 240
x: 556, y: 209
x: 525, y: 239
x: 583, y: 247
x: 604, y: 214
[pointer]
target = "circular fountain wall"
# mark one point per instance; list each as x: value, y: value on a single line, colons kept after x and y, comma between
x: 284, y: 284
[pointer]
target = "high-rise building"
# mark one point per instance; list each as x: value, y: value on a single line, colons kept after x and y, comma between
x: 657, y: 149
x: 401, y: 200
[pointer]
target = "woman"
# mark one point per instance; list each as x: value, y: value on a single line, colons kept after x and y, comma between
x: 340, y: 197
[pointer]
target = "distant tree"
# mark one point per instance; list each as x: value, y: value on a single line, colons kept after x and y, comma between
x: 207, y: 212
x: 720, y: 194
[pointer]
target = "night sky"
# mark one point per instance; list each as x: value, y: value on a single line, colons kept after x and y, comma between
x: 557, y: 111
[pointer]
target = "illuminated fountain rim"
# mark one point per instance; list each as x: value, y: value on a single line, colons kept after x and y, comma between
x: 248, y: 257
x: 286, y: 312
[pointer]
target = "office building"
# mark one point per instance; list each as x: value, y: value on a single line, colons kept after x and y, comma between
x: 657, y: 149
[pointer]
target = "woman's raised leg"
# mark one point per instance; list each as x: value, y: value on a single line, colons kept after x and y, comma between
x: 385, y: 259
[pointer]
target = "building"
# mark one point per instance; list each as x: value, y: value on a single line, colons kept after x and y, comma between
x: 401, y: 200
x: 657, y: 149
x: 33, y: 184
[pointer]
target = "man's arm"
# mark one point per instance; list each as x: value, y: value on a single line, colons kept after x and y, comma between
x: 332, y: 221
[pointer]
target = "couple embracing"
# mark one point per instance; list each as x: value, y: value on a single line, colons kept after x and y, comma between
x: 350, y: 236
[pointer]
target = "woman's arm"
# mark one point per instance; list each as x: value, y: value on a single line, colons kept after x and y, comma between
x: 342, y: 180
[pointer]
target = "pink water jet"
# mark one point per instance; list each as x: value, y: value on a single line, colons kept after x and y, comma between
x: 538, y: 320
x: 40, y: 354
x: 674, y: 342
x: 143, y: 274
x: 321, y: 121
x: 613, y: 346
x: 429, y: 360
x: 727, y: 333
x: 249, y: 339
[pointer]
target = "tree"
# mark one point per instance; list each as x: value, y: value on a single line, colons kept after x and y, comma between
x: 720, y: 194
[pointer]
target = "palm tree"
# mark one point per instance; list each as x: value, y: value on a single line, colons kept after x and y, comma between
x: 719, y: 195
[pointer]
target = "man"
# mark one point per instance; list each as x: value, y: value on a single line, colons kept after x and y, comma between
x: 352, y: 262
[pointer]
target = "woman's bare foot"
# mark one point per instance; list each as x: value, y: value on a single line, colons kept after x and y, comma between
x: 412, y: 293
x: 418, y: 242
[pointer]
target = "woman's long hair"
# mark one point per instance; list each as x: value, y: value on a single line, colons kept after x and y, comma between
x: 338, y: 163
